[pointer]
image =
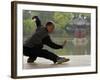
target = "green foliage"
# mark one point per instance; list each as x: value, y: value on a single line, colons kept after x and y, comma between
x: 29, y: 26
x: 61, y: 19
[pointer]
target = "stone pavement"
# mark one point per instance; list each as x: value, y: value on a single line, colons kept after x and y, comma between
x: 75, y: 61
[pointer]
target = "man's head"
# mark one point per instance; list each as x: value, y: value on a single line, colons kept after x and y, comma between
x: 50, y: 26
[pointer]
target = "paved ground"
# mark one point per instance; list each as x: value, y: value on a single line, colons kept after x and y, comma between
x: 75, y: 61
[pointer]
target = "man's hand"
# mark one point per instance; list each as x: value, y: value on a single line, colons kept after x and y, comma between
x: 64, y: 43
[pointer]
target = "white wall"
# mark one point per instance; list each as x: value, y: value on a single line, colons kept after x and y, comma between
x: 5, y: 40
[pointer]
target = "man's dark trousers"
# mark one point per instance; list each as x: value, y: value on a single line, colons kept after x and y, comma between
x: 38, y: 52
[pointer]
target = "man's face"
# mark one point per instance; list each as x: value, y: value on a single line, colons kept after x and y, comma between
x: 50, y: 28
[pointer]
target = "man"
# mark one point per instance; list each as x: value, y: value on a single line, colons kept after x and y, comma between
x: 33, y: 47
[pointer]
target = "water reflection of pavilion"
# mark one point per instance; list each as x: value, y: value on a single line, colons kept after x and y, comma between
x: 79, y: 28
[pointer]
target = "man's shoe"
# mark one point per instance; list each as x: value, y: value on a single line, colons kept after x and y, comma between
x: 61, y: 60
x: 30, y: 60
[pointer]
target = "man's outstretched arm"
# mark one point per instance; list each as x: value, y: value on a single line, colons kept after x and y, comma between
x: 47, y: 41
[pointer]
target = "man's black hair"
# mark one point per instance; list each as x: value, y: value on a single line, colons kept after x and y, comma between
x: 50, y: 23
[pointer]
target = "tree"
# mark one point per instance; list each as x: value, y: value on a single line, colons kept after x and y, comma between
x: 61, y: 19
x: 28, y: 26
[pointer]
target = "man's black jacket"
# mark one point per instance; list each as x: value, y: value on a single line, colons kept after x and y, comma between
x: 40, y: 38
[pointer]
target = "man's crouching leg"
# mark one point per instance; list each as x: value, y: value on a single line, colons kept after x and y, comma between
x: 53, y: 57
x: 29, y: 53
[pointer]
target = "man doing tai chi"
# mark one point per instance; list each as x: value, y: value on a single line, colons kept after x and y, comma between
x: 33, y: 46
